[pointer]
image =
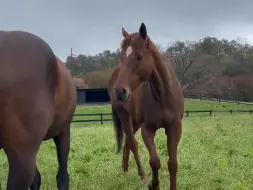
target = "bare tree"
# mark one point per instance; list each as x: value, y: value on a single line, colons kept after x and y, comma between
x: 187, y: 62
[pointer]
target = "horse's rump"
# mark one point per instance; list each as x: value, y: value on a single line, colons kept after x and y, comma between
x: 28, y: 80
x: 26, y: 62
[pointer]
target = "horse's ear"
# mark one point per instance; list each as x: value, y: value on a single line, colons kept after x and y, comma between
x: 124, y: 32
x: 143, y: 31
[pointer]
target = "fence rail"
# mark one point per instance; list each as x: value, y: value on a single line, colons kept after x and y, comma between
x: 187, y: 114
x: 213, y: 97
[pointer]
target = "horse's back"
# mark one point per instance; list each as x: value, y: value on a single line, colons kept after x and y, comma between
x: 28, y: 79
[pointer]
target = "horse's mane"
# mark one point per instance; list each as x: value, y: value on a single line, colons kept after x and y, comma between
x: 161, y: 78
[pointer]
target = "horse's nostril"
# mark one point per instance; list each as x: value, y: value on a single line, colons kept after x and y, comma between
x: 123, y: 91
x: 121, y: 94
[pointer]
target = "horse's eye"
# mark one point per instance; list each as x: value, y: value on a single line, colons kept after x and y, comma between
x: 138, y: 57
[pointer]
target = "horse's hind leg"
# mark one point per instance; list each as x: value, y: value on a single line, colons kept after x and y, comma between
x: 173, y: 133
x: 148, y: 136
x: 62, y: 142
x: 36, y: 181
x: 21, y: 168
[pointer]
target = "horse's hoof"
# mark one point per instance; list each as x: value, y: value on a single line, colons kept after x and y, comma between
x: 125, y: 169
x: 153, y: 187
x: 144, y: 180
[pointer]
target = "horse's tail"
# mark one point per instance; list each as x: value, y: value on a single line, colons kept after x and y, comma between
x: 118, y: 129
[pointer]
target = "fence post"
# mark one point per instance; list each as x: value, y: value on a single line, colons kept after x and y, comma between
x: 187, y: 113
x: 210, y: 112
x: 231, y: 111
x: 219, y: 99
x: 251, y: 111
x: 101, y: 118
x: 200, y: 97
x: 238, y: 102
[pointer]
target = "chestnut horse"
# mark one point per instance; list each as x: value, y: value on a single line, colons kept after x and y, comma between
x: 146, y: 93
x: 37, y: 103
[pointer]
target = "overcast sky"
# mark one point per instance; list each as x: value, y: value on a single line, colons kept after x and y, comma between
x: 91, y: 26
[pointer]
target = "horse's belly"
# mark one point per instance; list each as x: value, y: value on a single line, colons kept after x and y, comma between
x: 62, y: 121
x: 54, y: 130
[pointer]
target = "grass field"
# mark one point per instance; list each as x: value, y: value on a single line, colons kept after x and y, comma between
x: 215, y: 153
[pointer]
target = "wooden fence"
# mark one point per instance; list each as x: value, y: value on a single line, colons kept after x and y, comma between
x: 101, y: 116
x: 214, y: 97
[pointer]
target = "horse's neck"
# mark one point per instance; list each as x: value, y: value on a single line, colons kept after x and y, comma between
x: 160, y: 82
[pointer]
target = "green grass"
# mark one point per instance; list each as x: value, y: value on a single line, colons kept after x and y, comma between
x: 215, y: 153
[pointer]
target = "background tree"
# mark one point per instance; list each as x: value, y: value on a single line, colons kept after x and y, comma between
x: 210, y: 65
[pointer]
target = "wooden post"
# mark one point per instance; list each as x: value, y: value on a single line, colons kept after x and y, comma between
x: 101, y: 119
x: 210, y: 112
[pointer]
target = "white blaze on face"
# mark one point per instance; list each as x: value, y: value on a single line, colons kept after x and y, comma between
x: 129, y: 51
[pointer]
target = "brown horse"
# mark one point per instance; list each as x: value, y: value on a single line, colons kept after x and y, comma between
x: 37, y: 102
x: 146, y: 93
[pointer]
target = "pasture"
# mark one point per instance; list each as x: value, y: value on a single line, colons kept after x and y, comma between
x: 215, y: 152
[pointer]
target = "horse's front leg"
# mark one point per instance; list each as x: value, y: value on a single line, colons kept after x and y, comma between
x: 125, y: 159
x: 148, y: 135
x: 130, y: 142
